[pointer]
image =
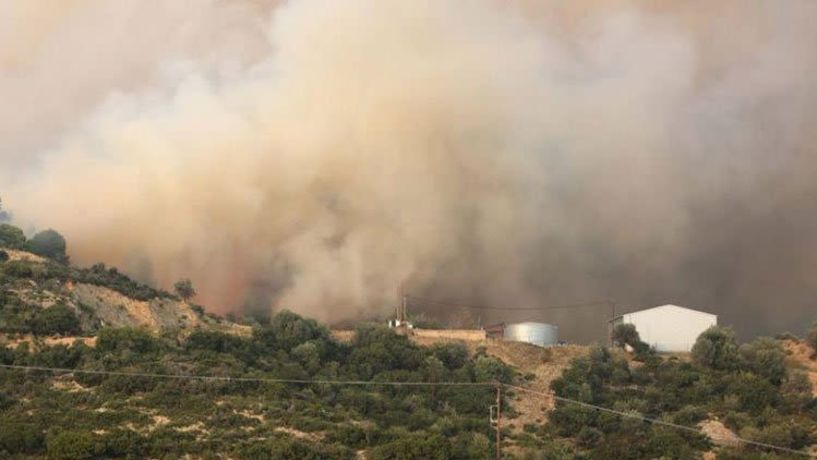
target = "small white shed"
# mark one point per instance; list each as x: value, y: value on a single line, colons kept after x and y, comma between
x: 668, y: 327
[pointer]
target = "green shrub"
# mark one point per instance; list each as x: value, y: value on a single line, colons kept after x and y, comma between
x: 754, y: 393
x: 111, y: 278
x: 765, y: 357
x: 127, y: 345
x: 716, y: 348
x: 452, y: 355
x: 49, y: 244
x: 589, y: 437
x: 218, y: 342
x: 70, y: 445
x: 4, y: 256
x: 626, y: 334
x: 289, y: 449
x: 56, y: 319
x: 19, y: 269
x: 12, y: 237
x: 433, y: 447
x: 184, y: 289
x: 689, y: 415
x: 17, y: 437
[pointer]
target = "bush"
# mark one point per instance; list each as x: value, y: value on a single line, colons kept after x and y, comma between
x: 489, y: 369
x: 127, y: 345
x: 184, y: 289
x: 716, y: 348
x: 20, y: 438
x: 70, y: 445
x: 626, y: 334
x: 49, y: 244
x: 765, y: 357
x: 56, y: 319
x: 100, y: 275
x: 19, y: 269
x: 288, y: 330
x: 290, y: 449
x: 12, y: 237
x: 689, y: 415
x: 218, y: 342
x: 589, y: 437
x: 433, y: 447
x: 4, y: 256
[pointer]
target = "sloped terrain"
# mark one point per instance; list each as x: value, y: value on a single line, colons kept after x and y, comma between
x: 801, y: 356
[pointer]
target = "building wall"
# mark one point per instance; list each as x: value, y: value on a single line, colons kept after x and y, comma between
x: 670, y: 328
x: 455, y: 334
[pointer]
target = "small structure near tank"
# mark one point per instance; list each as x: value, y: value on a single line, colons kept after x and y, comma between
x: 541, y: 334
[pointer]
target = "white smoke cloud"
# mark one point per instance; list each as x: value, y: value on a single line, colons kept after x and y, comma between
x: 512, y: 153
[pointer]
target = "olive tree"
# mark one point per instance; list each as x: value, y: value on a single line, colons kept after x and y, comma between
x: 716, y: 348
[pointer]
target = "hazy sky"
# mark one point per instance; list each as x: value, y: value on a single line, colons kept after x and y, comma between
x: 313, y: 154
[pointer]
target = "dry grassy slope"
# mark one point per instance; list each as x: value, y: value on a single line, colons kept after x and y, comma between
x: 800, y: 357
x: 117, y: 310
x: 111, y: 307
x: 15, y: 254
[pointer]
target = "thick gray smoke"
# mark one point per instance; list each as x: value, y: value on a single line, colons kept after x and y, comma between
x: 314, y: 154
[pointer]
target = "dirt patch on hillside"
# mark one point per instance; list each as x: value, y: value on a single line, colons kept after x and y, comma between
x: 718, y: 433
x: 311, y: 437
x: 35, y: 343
x: 117, y: 310
x: 800, y: 356
x: 544, y: 365
x: 15, y: 254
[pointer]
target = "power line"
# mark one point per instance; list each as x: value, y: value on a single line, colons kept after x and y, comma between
x: 242, y: 379
x: 660, y: 422
x: 496, y: 307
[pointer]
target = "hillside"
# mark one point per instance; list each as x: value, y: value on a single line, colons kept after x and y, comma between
x: 149, y: 375
x: 47, y: 298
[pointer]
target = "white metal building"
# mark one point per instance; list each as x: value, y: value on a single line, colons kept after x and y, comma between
x: 668, y: 327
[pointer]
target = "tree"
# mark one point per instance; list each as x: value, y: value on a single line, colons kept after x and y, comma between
x: 716, y: 348
x: 184, y: 289
x: 49, y: 243
x: 11, y: 236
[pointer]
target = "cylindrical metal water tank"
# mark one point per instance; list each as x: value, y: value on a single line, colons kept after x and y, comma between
x: 541, y: 334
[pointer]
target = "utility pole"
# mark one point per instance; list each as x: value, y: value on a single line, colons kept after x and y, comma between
x: 610, y: 322
x: 498, y: 422
x: 496, y: 418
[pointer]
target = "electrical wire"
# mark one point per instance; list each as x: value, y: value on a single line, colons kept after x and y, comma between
x: 653, y: 421
x: 495, y: 307
x: 241, y: 379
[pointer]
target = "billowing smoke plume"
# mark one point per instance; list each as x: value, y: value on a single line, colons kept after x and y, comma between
x: 515, y: 154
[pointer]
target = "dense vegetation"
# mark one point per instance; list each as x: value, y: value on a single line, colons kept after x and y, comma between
x: 116, y: 416
x: 748, y: 388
